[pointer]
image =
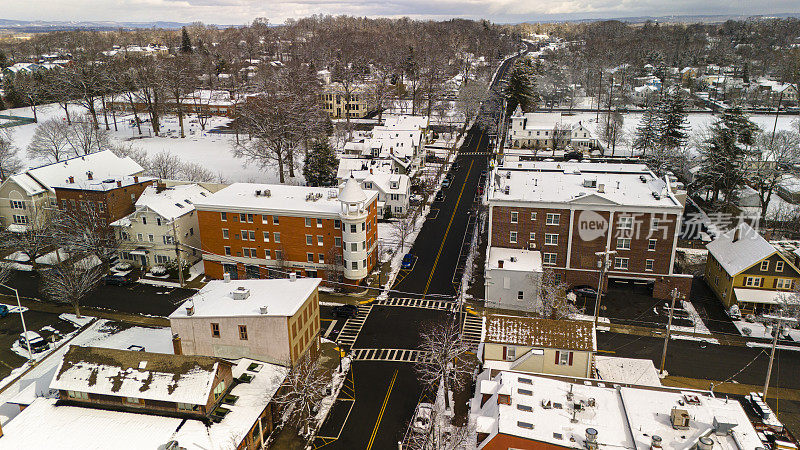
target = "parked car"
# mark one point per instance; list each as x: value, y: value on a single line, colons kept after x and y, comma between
x: 408, y: 261
x: 584, y: 291
x: 345, y: 311
x: 3, y: 311
x: 573, y: 155
x: 446, y: 183
x: 38, y: 344
x: 423, y: 418
x: 439, y: 197
x: 118, y: 280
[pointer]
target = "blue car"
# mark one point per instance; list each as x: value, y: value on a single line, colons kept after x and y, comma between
x: 408, y: 261
x: 3, y: 311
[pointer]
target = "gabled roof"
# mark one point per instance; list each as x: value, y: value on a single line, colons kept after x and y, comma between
x: 172, y: 202
x: 27, y: 183
x: 103, y: 165
x: 739, y: 248
x: 144, y: 375
x: 535, y: 332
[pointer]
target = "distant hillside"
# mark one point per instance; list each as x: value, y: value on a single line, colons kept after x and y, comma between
x: 39, y: 26
x: 699, y: 18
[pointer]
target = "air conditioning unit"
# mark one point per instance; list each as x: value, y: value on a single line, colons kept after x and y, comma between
x: 679, y: 418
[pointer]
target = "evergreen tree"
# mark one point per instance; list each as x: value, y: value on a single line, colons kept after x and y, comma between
x: 320, y: 165
x: 745, y: 130
x: 186, y: 42
x: 521, y: 88
x: 673, y: 127
x: 646, y: 138
x: 722, y: 170
x: 3, y: 60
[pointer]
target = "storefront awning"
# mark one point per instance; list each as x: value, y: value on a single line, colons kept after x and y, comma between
x: 139, y: 252
x: 758, y: 296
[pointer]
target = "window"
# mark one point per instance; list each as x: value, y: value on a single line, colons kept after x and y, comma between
x: 526, y: 425
x: 309, y: 240
x: 621, y: 263
x: 353, y: 228
x: 19, y: 218
x: 242, y: 332
x: 764, y: 266
x: 144, y: 220
x: 214, y: 330
x: 321, y: 258
x: 512, y: 238
x: 161, y: 259
x: 778, y: 266
x: 337, y: 223
x: 310, y: 257
x: 514, y: 217
x: 337, y: 241
x: 78, y: 395
x: 251, y: 234
x: 533, y: 216
x: 249, y: 218
x: 227, y: 251
x: 308, y: 222
x: 267, y: 254
x: 219, y: 389
x: 549, y: 259
x: 279, y: 254
x: 158, y: 221
x: 151, y: 238
x: 783, y: 283
x: 564, y: 358
x: 242, y: 217
x: 185, y: 406
x: 354, y: 265
x: 524, y: 391
x: 553, y: 219
x: 651, y: 245
x: 319, y: 223
x: 266, y: 236
x: 354, y: 246
x: 511, y: 353
x: 17, y: 204
x: 625, y: 223
x: 225, y: 234
x: 648, y: 265
x: 623, y: 243
x: 753, y: 281
x: 520, y: 295
x: 277, y: 237
x: 132, y: 400
x: 525, y: 408
x: 550, y: 239
x: 363, y: 226
x: 533, y: 237
x: 275, y: 220
x: 223, y: 216
x: 320, y: 241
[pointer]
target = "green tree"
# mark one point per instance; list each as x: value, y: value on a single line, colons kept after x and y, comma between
x: 521, y: 88
x: 673, y: 126
x: 722, y: 170
x: 645, y: 139
x: 744, y: 128
x: 320, y: 165
x: 186, y: 42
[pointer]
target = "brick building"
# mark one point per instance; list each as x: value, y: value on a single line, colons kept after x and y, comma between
x: 258, y: 231
x: 570, y: 211
x: 111, y: 198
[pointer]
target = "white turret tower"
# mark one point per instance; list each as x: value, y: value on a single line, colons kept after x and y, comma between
x: 354, y: 229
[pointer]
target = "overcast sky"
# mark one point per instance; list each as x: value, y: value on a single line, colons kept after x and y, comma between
x: 244, y: 11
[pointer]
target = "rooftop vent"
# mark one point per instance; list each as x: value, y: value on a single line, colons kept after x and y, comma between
x: 656, y: 196
x: 591, y: 439
x: 142, y: 365
x: 590, y: 183
x: 601, y: 188
x: 655, y: 442
x: 293, y: 277
x: 508, y: 175
x: 226, y: 278
x: 240, y: 293
x: 679, y: 418
x: 705, y: 443
x: 513, y: 259
x: 263, y: 309
x: 643, y: 178
x: 89, y: 175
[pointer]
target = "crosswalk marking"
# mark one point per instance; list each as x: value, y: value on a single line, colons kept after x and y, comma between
x: 474, y: 153
x: 352, y: 327
x: 472, y: 330
x: 418, y: 303
x: 389, y: 354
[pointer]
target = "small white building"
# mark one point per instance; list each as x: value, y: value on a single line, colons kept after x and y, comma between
x: 275, y: 321
x: 394, y: 189
x: 546, y: 130
x: 513, y: 277
x: 163, y: 217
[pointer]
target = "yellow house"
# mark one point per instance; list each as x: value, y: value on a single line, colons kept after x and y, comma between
x: 335, y: 102
x: 744, y: 269
x: 527, y: 344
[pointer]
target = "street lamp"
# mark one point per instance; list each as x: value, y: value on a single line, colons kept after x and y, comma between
x: 24, y: 328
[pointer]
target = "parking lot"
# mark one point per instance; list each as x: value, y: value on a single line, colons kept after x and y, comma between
x: 48, y: 325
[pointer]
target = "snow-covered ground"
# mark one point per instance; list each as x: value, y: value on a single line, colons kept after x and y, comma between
x: 760, y: 330
x: 49, y: 258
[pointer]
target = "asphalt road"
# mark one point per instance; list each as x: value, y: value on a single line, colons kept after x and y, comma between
x: 387, y: 392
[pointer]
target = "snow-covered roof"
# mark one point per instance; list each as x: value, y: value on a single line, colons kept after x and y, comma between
x: 543, y: 409
x: 626, y: 370
x: 352, y: 192
x: 282, y: 199
x: 571, y: 182
x: 383, y: 181
x: 145, y: 375
x: 536, y: 332
x: 348, y: 165
x: 405, y: 122
x: 103, y: 165
x: 739, y: 248
x: 172, y: 202
x: 210, y: 97
x: 515, y: 259
x: 143, y: 431
x: 220, y: 298
x: 546, y: 121
x: 27, y: 183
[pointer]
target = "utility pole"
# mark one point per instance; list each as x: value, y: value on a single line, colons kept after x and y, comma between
x: 674, y: 294
x: 603, y: 265
x: 177, y: 253
x: 777, y: 331
x: 599, y: 91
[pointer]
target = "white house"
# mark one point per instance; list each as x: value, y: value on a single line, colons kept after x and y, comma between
x: 163, y: 216
x: 394, y: 188
x: 543, y: 130
x: 513, y: 277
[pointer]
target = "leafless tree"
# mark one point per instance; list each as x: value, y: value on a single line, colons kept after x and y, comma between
x: 178, y: 78
x: 443, y: 434
x: 164, y: 165
x: 83, y: 138
x: 85, y: 233
x: 71, y: 281
x: 470, y: 97
x: 402, y: 227
x: 50, y: 141
x: 33, y: 237
x: 553, y: 297
x: 447, y: 365
x: 192, y: 171
x: 779, y: 156
x: 301, y: 393
x: 9, y: 156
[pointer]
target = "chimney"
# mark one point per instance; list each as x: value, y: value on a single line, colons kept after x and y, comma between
x: 591, y: 439
x: 293, y: 277
x: 71, y: 180
x: 370, y: 170
x: 176, y: 344
x: 89, y: 174
x: 119, y: 183
x: 500, y: 264
x: 136, y: 178
x: 226, y: 278
x: 737, y: 234
x: 601, y: 188
x: 160, y: 187
x: 190, y: 309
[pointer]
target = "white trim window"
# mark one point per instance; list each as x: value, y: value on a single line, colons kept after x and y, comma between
x: 550, y: 239
x: 553, y: 219
x: 778, y: 266
x: 623, y: 243
x: 648, y: 265
x: 621, y: 263
x: 783, y: 283
x: 651, y: 245
x: 625, y: 223
x: 549, y: 259
x: 512, y: 237
x: 753, y: 281
x: 764, y: 266
x: 514, y: 217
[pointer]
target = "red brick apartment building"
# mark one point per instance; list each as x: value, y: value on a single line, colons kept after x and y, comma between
x: 111, y: 198
x: 569, y: 211
x: 259, y: 231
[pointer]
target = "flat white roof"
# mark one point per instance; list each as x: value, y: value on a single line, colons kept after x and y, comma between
x: 515, y: 259
x: 282, y: 199
x: 580, y: 183
x: 281, y: 297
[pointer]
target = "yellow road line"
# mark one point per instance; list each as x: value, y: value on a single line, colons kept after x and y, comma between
x: 436, y: 262
x: 383, y: 408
